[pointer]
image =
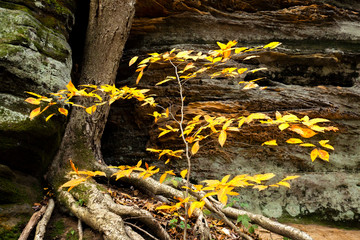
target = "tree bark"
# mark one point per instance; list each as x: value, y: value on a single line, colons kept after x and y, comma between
x: 108, y: 29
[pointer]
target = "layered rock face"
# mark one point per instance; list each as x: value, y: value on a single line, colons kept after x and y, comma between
x: 315, y: 72
x: 35, y: 56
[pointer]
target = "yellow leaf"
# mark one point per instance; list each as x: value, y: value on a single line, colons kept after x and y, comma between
x: 225, y: 179
x: 233, y: 129
x: 73, y: 167
x: 34, y: 113
x: 241, y: 122
x: 271, y: 143
x: 290, y: 118
x: 164, y: 81
x: 272, y: 45
x: 221, y: 45
x: 290, y: 178
x: 34, y: 94
x: 317, y: 120
x: 239, y: 50
x: 324, y: 155
x: 139, y: 76
x: 227, y: 124
x: 283, y: 126
x: 73, y: 183
x: 139, y: 163
x: 256, y: 116
x: 260, y: 187
x: 208, y: 194
x: 222, y: 137
x: 91, y: 110
x: 33, y: 101
x: 164, y: 207
x: 162, y: 178
x: 325, y: 145
x: 195, y: 148
x: 286, y: 184
x: 188, y: 66
x: 242, y: 70
x: 314, y: 154
x: 304, y: 132
x: 70, y: 86
x: 317, y: 128
x: 258, y: 69
x: 250, y: 57
x: 195, y: 205
x: 250, y: 85
x: 63, y: 111
x: 133, y: 60
x: 294, y: 141
x: 183, y: 173
x: 278, y: 115
x: 307, y: 145
x: 144, y: 61
x: 263, y: 177
x: 48, y: 117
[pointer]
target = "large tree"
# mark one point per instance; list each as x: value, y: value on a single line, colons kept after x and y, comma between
x: 108, y: 28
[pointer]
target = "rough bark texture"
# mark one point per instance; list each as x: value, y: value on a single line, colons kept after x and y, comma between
x: 108, y: 28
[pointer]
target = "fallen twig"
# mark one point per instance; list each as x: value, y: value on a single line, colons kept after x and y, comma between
x: 32, y: 222
x: 41, y: 227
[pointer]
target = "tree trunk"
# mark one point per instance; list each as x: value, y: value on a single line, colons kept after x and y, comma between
x: 108, y: 29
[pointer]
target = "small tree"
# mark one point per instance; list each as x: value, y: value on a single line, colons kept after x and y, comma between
x: 193, y: 133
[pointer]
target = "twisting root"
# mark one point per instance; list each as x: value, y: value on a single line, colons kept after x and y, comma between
x: 102, y: 214
x: 201, y: 227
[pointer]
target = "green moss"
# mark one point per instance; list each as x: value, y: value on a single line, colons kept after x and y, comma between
x: 58, y: 229
x: 11, y: 234
x: 11, y: 192
x: 54, y: 14
x: 45, y: 41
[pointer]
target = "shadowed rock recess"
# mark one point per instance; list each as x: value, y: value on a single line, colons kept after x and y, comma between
x: 315, y: 72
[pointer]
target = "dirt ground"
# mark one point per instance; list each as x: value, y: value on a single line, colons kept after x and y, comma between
x: 317, y: 232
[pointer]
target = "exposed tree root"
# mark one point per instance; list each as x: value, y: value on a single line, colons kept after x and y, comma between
x: 202, y: 228
x: 161, y: 189
x: 80, y: 229
x: 105, y: 216
x: 269, y: 224
x: 41, y: 227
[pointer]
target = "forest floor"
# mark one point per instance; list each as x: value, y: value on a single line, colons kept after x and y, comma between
x: 63, y: 227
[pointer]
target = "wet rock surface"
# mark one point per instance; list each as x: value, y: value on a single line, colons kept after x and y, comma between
x: 315, y: 72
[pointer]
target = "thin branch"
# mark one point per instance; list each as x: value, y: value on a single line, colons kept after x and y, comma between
x: 188, y: 157
x: 41, y: 227
x: 142, y: 230
x: 32, y: 222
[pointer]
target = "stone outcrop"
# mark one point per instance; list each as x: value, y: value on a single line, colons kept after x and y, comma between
x: 315, y: 72
x: 34, y: 56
